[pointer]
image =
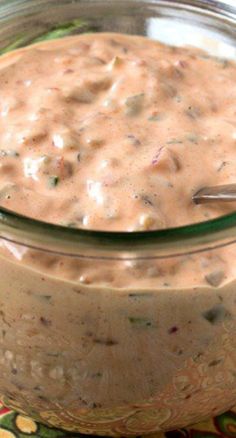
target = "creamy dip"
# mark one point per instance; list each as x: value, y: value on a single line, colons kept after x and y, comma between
x: 114, y: 132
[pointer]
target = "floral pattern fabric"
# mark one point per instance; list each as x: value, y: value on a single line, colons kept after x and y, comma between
x: 13, y: 425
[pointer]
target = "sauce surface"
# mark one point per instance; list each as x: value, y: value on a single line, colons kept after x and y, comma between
x: 115, y: 132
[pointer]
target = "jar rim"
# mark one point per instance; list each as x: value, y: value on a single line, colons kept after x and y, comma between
x: 98, y: 244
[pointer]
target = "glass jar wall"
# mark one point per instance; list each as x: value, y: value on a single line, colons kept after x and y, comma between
x: 118, y: 333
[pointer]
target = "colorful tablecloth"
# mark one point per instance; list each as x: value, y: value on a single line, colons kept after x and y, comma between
x: 13, y: 425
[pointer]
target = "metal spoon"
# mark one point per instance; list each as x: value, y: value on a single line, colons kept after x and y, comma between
x: 226, y: 193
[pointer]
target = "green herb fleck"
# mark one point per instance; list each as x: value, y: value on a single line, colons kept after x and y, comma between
x: 109, y: 342
x: 193, y: 138
x: 9, y: 153
x: 134, y: 104
x: 53, y: 181
x: 140, y: 295
x: 222, y: 165
x: 215, y: 362
x: 140, y: 321
x: 205, y: 56
x: 178, y: 99
x: 44, y: 297
x: 215, y: 278
x: 193, y: 112
x: 216, y: 314
x: 51, y: 354
x: 133, y: 140
x: 174, y: 141
x: 197, y: 357
x: 146, y: 199
x: 72, y: 225
x: 155, y: 118
x: 223, y: 62
x: 98, y: 374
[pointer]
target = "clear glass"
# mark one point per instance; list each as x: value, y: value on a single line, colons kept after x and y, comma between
x: 118, y: 333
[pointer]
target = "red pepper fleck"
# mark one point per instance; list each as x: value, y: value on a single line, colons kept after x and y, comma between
x: 68, y: 71
x: 53, y: 88
x: 173, y: 329
x: 157, y: 156
x: 182, y: 63
x: 61, y: 166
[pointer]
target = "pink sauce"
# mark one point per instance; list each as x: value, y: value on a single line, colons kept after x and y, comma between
x: 115, y: 132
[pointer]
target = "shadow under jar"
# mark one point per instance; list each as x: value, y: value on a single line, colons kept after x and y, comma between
x: 112, y: 357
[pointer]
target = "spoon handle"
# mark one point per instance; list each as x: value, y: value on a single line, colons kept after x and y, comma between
x: 225, y: 193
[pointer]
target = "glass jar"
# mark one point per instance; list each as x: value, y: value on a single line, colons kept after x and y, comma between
x: 80, y: 348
